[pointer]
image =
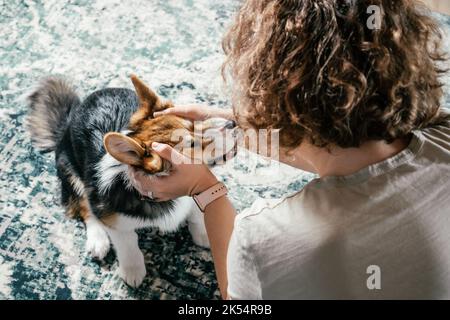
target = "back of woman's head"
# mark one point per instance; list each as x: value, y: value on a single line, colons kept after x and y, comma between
x: 326, y: 71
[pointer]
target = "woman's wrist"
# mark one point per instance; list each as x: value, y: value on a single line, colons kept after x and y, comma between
x: 206, y: 182
x: 210, y: 195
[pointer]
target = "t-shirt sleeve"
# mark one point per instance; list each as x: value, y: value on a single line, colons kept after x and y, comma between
x: 243, y: 282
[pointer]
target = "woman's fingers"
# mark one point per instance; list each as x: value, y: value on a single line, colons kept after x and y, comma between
x: 159, y: 189
x: 196, y: 112
x: 182, y: 111
x: 183, y: 180
x: 168, y: 153
x: 160, y: 113
x: 141, y: 182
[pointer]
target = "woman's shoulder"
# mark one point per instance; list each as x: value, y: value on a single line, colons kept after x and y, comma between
x: 263, y: 206
x: 269, y: 218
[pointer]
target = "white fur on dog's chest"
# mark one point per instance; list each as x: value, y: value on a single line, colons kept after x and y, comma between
x: 108, y: 170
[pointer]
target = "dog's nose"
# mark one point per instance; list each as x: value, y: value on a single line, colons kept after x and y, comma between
x: 230, y: 124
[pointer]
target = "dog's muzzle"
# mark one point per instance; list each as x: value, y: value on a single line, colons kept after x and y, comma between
x: 224, y: 136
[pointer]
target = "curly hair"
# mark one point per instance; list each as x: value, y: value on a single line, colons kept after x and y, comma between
x: 316, y: 71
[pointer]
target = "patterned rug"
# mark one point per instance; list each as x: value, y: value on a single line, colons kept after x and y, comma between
x: 175, y: 47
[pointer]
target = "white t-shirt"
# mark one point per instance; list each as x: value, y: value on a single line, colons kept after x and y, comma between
x: 381, y: 233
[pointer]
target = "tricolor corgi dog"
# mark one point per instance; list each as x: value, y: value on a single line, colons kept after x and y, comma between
x: 95, y: 142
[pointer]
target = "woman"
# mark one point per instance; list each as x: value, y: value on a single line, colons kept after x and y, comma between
x: 359, y: 106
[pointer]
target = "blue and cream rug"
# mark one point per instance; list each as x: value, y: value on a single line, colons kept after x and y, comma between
x: 174, y: 46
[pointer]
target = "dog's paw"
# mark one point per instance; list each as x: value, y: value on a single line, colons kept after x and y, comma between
x: 97, y: 243
x: 200, y: 239
x: 196, y: 226
x: 133, y: 274
x: 199, y: 235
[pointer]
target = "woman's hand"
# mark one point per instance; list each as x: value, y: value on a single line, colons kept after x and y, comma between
x: 196, y: 112
x: 185, y: 179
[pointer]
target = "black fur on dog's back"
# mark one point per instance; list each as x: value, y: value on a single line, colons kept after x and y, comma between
x: 74, y: 130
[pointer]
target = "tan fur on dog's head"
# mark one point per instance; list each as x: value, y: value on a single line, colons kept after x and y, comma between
x: 135, y: 148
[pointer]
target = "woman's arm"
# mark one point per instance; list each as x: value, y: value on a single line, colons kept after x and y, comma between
x: 219, y: 221
x: 186, y: 180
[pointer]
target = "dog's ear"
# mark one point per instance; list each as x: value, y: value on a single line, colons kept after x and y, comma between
x: 147, y: 98
x: 149, y: 102
x: 129, y: 151
x: 124, y: 149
